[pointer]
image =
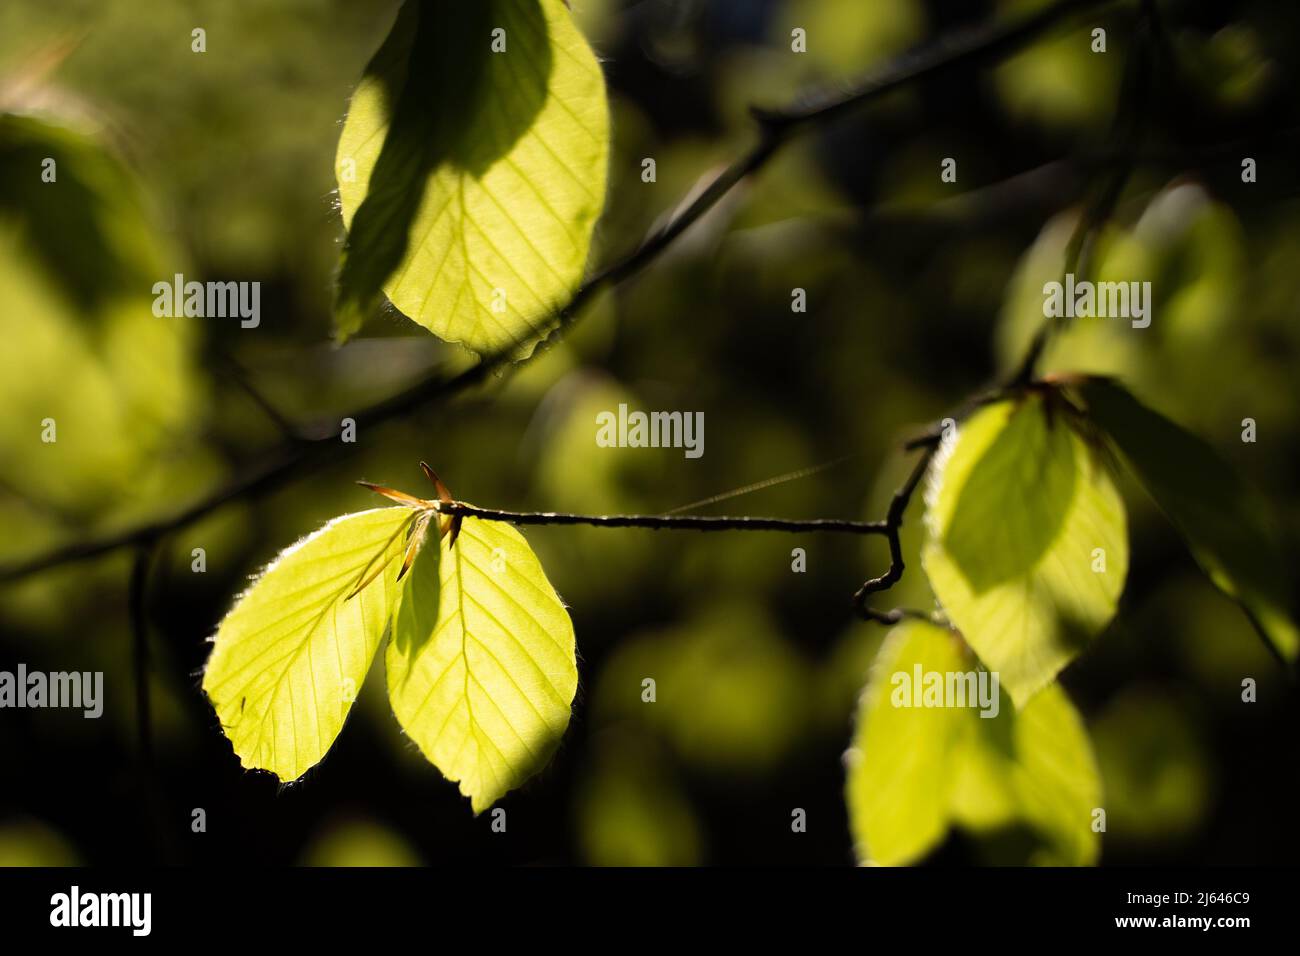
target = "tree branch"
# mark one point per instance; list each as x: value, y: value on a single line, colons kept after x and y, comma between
x: 893, y: 524
x: 665, y: 522
x: 282, y: 463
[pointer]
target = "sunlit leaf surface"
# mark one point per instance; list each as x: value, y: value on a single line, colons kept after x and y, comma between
x: 471, y: 177
x: 292, y: 654
x: 481, y: 666
x: 1027, y: 547
x: 913, y: 772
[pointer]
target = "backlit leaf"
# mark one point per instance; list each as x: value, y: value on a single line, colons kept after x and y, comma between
x: 1224, y: 521
x: 471, y: 180
x: 900, y: 771
x: 1026, y: 548
x: 916, y: 771
x: 292, y: 654
x: 82, y: 347
x: 481, y: 666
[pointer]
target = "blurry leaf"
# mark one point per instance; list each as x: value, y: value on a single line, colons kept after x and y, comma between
x: 1202, y: 625
x: 1046, y: 765
x: 1017, y: 509
x: 915, y: 771
x: 479, y: 175
x: 29, y: 843
x: 1087, y: 345
x: 1057, y: 81
x: 90, y: 215
x: 900, y: 767
x: 293, y: 652
x: 731, y: 695
x: 1233, y: 66
x: 631, y: 811
x: 83, y: 349
x: 360, y: 843
x: 847, y: 37
x: 1224, y: 521
x: 1158, y: 780
x: 42, y: 333
x: 1194, y: 253
x: 481, y: 665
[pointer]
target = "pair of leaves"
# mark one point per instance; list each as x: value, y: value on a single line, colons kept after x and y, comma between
x: 913, y: 772
x: 1026, y: 547
x: 481, y: 661
x: 472, y: 170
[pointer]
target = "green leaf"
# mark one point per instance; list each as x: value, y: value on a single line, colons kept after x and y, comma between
x: 900, y: 771
x: 481, y: 666
x: 292, y: 654
x: 479, y: 175
x: 88, y: 227
x: 1226, y: 524
x: 1043, y: 757
x: 82, y: 347
x: 914, y: 772
x: 1017, y: 509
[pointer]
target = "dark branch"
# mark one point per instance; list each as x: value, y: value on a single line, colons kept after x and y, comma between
x: 666, y: 522
x: 237, y: 375
x: 893, y: 524
x: 973, y: 47
x: 260, y: 477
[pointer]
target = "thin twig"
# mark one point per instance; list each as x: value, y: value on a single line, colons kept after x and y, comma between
x: 893, y: 524
x: 239, y: 376
x: 666, y: 522
x: 261, y: 476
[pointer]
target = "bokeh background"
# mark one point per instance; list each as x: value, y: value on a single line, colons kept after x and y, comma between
x: 219, y: 165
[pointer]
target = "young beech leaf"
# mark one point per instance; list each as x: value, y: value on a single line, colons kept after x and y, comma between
x: 1225, y: 522
x: 1026, y: 545
x: 481, y: 664
x: 293, y: 652
x: 900, y: 767
x: 472, y: 170
x: 915, y: 771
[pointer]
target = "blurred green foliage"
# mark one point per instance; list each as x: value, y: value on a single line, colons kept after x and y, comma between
x: 915, y: 769
x: 359, y: 842
x: 31, y: 843
x: 1159, y: 785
